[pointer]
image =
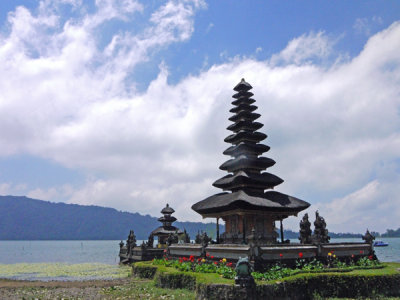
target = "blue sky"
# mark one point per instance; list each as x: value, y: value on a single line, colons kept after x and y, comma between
x: 125, y: 103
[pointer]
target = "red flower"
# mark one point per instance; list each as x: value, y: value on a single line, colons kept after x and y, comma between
x: 352, y: 256
x: 165, y: 251
x: 300, y: 254
x: 361, y: 252
x: 280, y: 254
x: 215, y: 262
x: 199, y: 259
x: 207, y: 254
x: 191, y: 257
x: 185, y: 259
x: 212, y: 257
x: 370, y: 257
x: 229, y: 264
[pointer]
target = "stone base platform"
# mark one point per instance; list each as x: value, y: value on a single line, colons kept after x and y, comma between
x: 271, y: 254
x: 140, y: 254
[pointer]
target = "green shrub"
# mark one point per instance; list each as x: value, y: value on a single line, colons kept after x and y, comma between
x: 143, y: 271
x: 176, y: 280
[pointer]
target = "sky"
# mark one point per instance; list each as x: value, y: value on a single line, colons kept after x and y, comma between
x: 125, y: 103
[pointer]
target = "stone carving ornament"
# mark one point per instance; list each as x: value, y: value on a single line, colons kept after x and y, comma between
x: 305, y: 230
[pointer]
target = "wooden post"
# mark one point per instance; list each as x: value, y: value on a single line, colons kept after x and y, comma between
x: 244, y: 229
x: 217, y: 239
x: 282, y: 238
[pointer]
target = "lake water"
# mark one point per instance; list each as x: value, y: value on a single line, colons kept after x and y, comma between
x: 106, y: 252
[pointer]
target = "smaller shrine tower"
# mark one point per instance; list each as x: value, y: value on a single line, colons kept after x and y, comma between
x: 167, y: 228
x: 248, y: 210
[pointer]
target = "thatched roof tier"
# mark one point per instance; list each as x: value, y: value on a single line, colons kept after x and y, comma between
x: 245, y: 136
x: 243, y: 106
x: 242, y: 86
x: 166, y: 230
x: 243, y: 180
x: 228, y: 203
x: 244, y: 162
x: 245, y: 148
x: 167, y: 210
x: 243, y: 100
x: 245, y: 125
x: 167, y: 218
x: 243, y: 94
x: 245, y: 116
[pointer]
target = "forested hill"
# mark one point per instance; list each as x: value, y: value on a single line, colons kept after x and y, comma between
x: 22, y: 218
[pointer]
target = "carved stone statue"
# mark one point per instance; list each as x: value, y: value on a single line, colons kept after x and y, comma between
x: 320, y: 232
x: 198, y: 238
x: 305, y: 230
x: 186, y: 237
x: 121, y: 244
x: 368, y: 237
x: 243, y: 273
x: 205, y: 239
x: 130, y: 242
x: 172, y: 239
x: 150, y: 241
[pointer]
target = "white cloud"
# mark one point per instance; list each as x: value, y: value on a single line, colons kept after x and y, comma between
x: 330, y: 128
x: 365, y: 25
x: 209, y: 27
x: 305, y: 49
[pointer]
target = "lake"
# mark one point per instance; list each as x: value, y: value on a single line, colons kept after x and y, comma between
x: 106, y: 252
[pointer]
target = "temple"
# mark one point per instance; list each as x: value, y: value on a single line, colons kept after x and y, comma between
x: 249, y: 206
x: 163, y: 232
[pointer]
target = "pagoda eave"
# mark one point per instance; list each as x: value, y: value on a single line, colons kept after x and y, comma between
x: 243, y: 101
x: 245, y: 125
x: 243, y: 107
x: 245, y: 136
x: 245, y: 116
x: 242, y: 86
x: 166, y: 230
x: 243, y: 162
x: 269, y: 202
x: 243, y: 212
x: 242, y: 148
x: 244, y: 180
x: 243, y: 94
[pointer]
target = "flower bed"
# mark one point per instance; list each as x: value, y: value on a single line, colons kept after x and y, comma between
x: 278, y: 271
x: 199, y: 265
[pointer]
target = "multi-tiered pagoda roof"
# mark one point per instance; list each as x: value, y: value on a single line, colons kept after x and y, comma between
x: 167, y: 219
x: 248, y: 187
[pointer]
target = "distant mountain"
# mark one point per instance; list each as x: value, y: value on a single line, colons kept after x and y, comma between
x: 22, y: 218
